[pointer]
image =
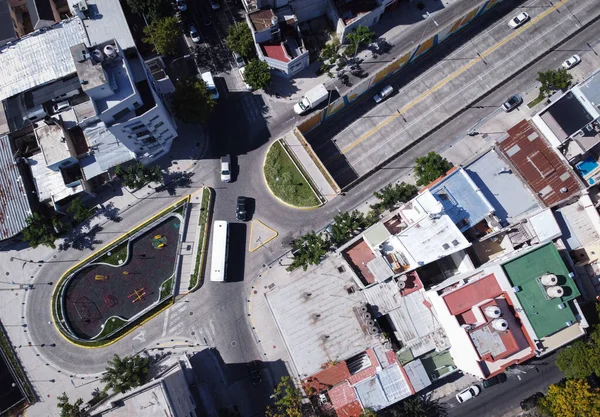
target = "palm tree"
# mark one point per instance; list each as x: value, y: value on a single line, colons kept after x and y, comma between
x: 345, y: 225
x: 308, y: 250
x: 418, y: 406
x: 125, y: 373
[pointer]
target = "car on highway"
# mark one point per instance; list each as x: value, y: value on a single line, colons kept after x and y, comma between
x: 518, y: 20
x: 387, y: 91
x: 240, y: 211
x: 465, y: 395
x: 531, y: 401
x: 181, y: 5
x: 571, y: 62
x: 246, y: 85
x: 194, y: 34
x: 495, y: 380
x: 512, y: 103
x: 226, y: 168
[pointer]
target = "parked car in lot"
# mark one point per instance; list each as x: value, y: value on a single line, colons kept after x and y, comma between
x: 383, y: 94
x: 531, y: 401
x: 518, y: 20
x: 471, y: 392
x: 240, y: 211
x: 181, y: 5
x: 512, y: 103
x: 498, y: 379
x: 571, y: 62
x: 246, y: 85
x: 226, y: 168
x: 194, y: 34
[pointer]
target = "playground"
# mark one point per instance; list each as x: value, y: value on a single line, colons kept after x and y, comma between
x: 99, y: 290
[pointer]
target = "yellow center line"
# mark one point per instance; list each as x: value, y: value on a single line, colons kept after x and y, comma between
x: 449, y: 78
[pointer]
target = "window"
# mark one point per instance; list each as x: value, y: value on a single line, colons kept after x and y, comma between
x: 120, y: 114
x: 142, y: 133
x: 463, y: 223
x: 159, y: 124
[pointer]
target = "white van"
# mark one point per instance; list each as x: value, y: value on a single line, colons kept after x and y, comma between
x: 36, y: 114
x: 210, y: 83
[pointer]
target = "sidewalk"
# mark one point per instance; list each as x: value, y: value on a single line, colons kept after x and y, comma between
x: 189, y: 246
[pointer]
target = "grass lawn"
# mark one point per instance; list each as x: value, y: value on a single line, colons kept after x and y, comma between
x: 110, y: 326
x: 536, y: 101
x: 203, y: 223
x: 166, y: 288
x: 286, y: 181
x: 116, y: 254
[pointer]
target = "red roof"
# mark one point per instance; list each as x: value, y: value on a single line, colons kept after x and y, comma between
x: 327, y: 378
x: 275, y: 51
x: 341, y: 395
x: 539, y: 165
x: 352, y: 409
x: 471, y: 294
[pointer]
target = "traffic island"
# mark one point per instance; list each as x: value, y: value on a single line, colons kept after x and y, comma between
x: 286, y: 180
x: 129, y: 281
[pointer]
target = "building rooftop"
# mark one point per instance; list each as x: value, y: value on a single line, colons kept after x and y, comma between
x: 107, y: 22
x: 108, y: 150
x: 575, y: 224
x: 388, y: 386
x: 51, y: 139
x: 461, y: 199
x: 49, y: 184
x: 547, y: 315
x: 39, y: 58
x: 7, y: 31
x: 566, y: 116
x: 317, y: 317
x: 511, y: 199
x: 14, y: 204
x: 543, y: 170
x: 39, y: 10
x: 590, y: 88
x: 352, y: 9
x: 262, y: 19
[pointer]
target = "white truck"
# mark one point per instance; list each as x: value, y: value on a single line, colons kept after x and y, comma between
x: 311, y: 99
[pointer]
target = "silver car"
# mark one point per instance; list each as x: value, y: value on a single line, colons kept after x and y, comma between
x: 383, y: 94
x: 512, y: 103
x: 571, y: 62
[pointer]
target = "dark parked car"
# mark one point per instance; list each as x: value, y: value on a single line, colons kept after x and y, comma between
x: 531, y: 401
x: 240, y: 211
x: 498, y: 379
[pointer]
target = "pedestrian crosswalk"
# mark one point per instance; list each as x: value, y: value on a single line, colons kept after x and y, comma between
x: 178, y: 322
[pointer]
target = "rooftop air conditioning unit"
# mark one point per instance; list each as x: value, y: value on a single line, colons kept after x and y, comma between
x: 493, y: 312
x: 555, y: 291
x: 549, y: 280
x: 500, y: 325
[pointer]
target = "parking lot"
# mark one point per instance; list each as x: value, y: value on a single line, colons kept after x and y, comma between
x: 434, y: 90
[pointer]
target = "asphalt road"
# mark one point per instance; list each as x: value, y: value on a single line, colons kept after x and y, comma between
x: 522, y: 381
x: 215, y: 315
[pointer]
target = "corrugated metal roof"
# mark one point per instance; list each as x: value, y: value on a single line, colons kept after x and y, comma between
x: 14, y: 205
x: 39, y: 58
x: 417, y: 375
x: 386, y: 387
x: 539, y: 165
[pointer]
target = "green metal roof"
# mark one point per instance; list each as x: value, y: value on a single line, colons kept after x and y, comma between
x: 543, y: 314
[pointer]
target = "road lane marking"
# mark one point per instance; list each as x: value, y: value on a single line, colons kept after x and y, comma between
x: 446, y: 80
x: 166, y: 322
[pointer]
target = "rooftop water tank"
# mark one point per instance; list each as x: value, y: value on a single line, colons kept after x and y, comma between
x: 549, y: 280
x: 493, y: 312
x: 110, y: 51
x: 98, y: 55
x: 555, y: 291
x: 500, y: 325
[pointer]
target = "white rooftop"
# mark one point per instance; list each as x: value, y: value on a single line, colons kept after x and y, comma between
x: 39, y: 58
x: 385, y: 388
x: 107, y: 22
x: 336, y: 334
x: 49, y: 184
x: 51, y: 139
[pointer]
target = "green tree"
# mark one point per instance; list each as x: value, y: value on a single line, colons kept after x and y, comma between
x: 137, y: 175
x: 163, y: 34
x: 41, y: 230
x: 257, y: 74
x: 78, y: 210
x: 330, y: 55
x: 417, y: 406
x: 123, y: 374
x: 346, y: 225
x: 288, y: 400
x: 153, y: 9
x: 392, y: 194
x: 553, y: 80
x: 308, y: 250
x: 582, y: 358
x: 360, y: 35
x: 367, y: 412
x: 430, y: 167
x: 573, y: 398
x: 70, y: 410
x: 239, y: 39
x: 192, y: 102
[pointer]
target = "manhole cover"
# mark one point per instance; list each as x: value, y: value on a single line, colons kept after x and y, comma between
x: 191, y: 313
x: 234, y: 343
x: 193, y: 333
x: 255, y: 292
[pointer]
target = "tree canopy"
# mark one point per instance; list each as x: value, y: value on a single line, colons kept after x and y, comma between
x: 153, y: 9
x: 430, y: 167
x: 163, y: 34
x: 123, y: 374
x: 288, y: 400
x: 308, y: 250
x: 78, y: 210
x: 553, y: 80
x: 360, y: 35
x: 573, y: 398
x: 41, y: 230
x: 346, y: 225
x: 417, y: 406
x: 239, y: 39
x: 582, y: 358
x: 192, y: 102
x: 257, y: 74
x: 70, y: 410
x: 137, y: 175
x: 392, y: 194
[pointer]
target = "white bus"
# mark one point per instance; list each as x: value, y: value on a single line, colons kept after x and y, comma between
x: 220, y: 243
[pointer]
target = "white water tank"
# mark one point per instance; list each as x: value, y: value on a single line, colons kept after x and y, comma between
x: 500, y: 324
x: 555, y: 291
x: 98, y: 55
x: 493, y: 312
x: 549, y: 280
x: 401, y: 284
x: 110, y: 51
